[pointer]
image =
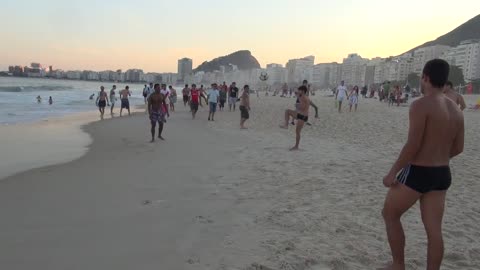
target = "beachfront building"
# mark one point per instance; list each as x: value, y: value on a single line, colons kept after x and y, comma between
x: 276, y: 74
x: 133, y: 75
x: 422, y: 55
x: 353, y: 69
x: 300, y: 69
x: 73, y: 74
x: 326, y: 75
x: 184, y: 68
x: 466, y: 56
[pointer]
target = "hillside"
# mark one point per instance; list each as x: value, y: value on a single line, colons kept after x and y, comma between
x: 468, y: 30
x: 244, y: 60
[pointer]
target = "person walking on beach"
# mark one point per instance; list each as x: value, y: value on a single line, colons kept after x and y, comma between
x: 102, y: 101
x: 173, y: 98
x: 124, y: 94
x: 353, y: 98
x: 194, y: 100
x: 435, y: 136
x: 213, y: 96
x: 156, y: 110
x: 341, y: 95
x: 456, y: 97
x: 112, y: 98
x: 166, y: 94
x: 244, y: 106
x: 301, y: 115
x: 203, y: 95
x: 223, y: 96
x: 232, y: 96
x: 146, y: 92
x: 186, y: 95
x: 50, y: 100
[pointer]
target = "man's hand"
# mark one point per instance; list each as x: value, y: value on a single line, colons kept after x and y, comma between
x: 389, y: 180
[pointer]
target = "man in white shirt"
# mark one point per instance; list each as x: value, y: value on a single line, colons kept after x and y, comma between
x: 213, y: 96
x: 166, y: 94
x: 341, y: 95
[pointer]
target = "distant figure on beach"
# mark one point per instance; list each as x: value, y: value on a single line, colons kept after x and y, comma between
x: 456, y: 97
x: 392, y: 96
x: 156, y: 110
x: 92, y: 96
x: 102, y: 101
x: 172, y: 97
x: 113, y: 98
x: 341, y: 95
x: 50, y: 100
x: 398, y: 95
x: 186, y: 95
x: 203, y: 95
x: 301, y: 115
x: 353, y: 98
x: 233, y: 96
x: 223, y: 96
x: 166, y: 93
x: 124, y: 94
x: 436, y: 135
x: 39, y: 99
x: 244, y: 106
x: 194, y: 100
x: 213, y: 97
x: 146, y: 92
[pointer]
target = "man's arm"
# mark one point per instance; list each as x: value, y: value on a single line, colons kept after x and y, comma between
x: 417, y: 118
x: 149, y: 104
x: 461, y: 102
x: 458, y: 143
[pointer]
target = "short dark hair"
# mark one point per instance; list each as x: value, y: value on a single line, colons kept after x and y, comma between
x: 194, y: 85
x: 305, y: 82
x: 186, y: 85
x: 156, y: 85
x: 246, y: 86
x: 303, y: 88
x: 449, y: 83
x: 437, y: 71
x: 126, y: 87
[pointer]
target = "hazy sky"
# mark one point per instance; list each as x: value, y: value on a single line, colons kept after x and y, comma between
x: 153, y: 34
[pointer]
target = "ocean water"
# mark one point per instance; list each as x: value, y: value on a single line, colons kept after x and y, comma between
x: 18, y: 103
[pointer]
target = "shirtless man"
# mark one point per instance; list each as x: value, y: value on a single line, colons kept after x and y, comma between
x: 172, y: 98
x: 194, y: 100
x: 301, y: 115
x: 186, y: 95
x: 456, y: 97
x: 305, y: 83
x: 203, y: 95
x: 244, y: 106
x: 156, y: 110
x: 112, y: 98
x: 435, y: 136
x: 166, y: 93
x: 124, y: 94
x: 102, y: 101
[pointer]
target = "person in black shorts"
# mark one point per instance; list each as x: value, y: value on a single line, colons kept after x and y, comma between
x: 232, y: 96
x: 301, y: 114
x: 244, y: 106
x: 102, y: 101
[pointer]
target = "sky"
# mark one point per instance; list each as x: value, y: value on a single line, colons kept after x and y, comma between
x: 154, y: 34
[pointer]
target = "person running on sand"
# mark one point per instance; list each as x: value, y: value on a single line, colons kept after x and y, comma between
x: 112, y: 98
x: 125, y: 103
x: 173, y: 98
x: 156, y: 110
x: 232, y: 96
x: 102, y: 101
x: 244, y: 106
x: 194, y: 100
x: 223, y: 96
x: 186, y: 95
x: 341, y: 95
x: 456, y: 97
x: 301, y: 115
x: 353, y: 99
x: 422, y: 172
x: 213, y: 96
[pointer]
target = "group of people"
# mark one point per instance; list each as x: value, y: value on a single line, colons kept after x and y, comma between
x: 103, y: 100
x: 50, y: 100
x: 341, y: 95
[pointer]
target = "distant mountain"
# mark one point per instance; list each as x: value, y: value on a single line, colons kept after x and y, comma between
x: 242, y: 59
x: 468, y: 30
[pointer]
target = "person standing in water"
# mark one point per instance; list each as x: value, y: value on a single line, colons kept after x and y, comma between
x: 422, y: 171
x: 39, y: 99
x: 456, y: 97
x: 124, y: 94
x: 102, y: 101
x: 244, y: 106
x: 155, y: 107
x: 112, y: 98
x: 50, y: 100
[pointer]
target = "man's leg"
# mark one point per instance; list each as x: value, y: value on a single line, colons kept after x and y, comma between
x: 432, y: 206
x: 339, y: 106
x: 315, y: 108
x: 111, y: 108
x: 288, y: 114
x: 298, y: 130
x: 399, y: 199
x: 356, y: 106
x: 152, y: 130
x: 160, y: 130
x: 121, y: 110
x: 128, y: 110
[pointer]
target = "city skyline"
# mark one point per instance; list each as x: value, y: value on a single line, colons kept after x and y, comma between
x: 70, y: 36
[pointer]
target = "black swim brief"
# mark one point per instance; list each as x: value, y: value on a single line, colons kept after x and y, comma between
x: 302, y: 117
x: 425, y: 179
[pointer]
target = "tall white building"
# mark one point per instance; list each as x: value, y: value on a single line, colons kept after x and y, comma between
x: 276, y: 74
x: 422, y: 55
x: 467, y: 57
x: 300, y: 69
x: 184, y: 68
x: 326, y: 75
x: 353, y: 69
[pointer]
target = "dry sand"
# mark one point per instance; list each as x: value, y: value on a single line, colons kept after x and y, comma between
x: 216, y: 197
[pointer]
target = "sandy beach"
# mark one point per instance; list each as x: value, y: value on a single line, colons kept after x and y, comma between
x: 213, y: 196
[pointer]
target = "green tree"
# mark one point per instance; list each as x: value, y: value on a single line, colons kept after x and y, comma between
x: 456, y: 76
x: 413, y: 80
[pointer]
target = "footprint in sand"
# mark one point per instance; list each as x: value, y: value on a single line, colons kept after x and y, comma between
x: 203, y: 220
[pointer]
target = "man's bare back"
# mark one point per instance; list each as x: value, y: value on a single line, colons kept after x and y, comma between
x: 457, y: 98
x: 443, y: 125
